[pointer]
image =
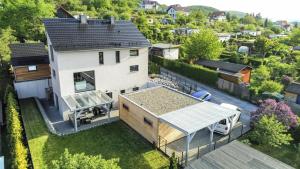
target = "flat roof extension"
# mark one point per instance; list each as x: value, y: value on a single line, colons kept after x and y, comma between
x: 162, y: 100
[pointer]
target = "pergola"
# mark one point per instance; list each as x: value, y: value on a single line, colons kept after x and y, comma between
x: 193, y: 118
x: 80, y: 102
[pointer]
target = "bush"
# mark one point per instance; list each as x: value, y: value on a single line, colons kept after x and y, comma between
x: 280, y: 110
x: 269, y: 131
x: 270, y: 86
x: 153, y: 68
x: 196, y: 72
x: 14, y: 130
x: 69, y: 161
x: 255, y: 62
x: 173, y: 162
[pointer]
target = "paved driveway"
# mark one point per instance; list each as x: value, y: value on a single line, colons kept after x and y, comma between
x: 217, y: 95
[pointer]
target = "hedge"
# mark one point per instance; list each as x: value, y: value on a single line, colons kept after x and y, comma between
x: 196, y: 72
x: 15, y: 132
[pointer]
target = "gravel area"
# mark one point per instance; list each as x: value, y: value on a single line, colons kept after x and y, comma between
x: 161, y: 100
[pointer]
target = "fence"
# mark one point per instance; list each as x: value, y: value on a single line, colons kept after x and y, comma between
x: 202, y: 148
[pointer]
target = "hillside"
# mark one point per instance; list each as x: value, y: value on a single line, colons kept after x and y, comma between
x: 205, y: 9
x: 237, y: 13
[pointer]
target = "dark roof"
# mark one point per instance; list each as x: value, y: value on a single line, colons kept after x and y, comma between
x: 28, y: 54
x: 149, y: 2
x: 218, y: 13
x: 224, y: 66
x: 69, y: 34
x: 62, y: 13
x: 293, y: 88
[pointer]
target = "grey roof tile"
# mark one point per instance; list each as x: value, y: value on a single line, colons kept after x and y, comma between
x: 225, y: 66
x: 69, y: 34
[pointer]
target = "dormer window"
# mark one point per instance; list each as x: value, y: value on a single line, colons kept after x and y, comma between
x: 32, y: 68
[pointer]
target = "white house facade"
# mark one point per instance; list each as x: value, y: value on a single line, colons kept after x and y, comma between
x: 111, y: 68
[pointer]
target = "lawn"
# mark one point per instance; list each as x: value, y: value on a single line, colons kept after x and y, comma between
x: 115, y: 140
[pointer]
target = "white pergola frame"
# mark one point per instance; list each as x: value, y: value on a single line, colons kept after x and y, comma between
x: 96, y: 99
x: 186, y: 120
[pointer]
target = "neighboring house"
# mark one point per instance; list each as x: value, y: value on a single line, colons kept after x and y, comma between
x: 30, y: 65
x: 224, y: 37
x: 149, y: 5
x: 174, y: 9
x: 218, y: 16
x: 283, y: 25
x: 251, y: 33
x: 236, y: 73
x: 184, y: 31
x: 292, y: 93
x: 297, y: 48
x: 274, y: 36
x: 167, y: 51
x: 95, y: 55
x: 62, y: 13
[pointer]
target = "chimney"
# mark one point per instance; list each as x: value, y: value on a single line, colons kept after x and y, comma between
x: 112, y: 20
x: 83, y: 19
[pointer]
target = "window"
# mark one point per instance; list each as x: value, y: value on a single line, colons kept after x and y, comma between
x: 125, y: 107
x: 101, y: 58
x: 134, y: 52
x: 122, y: 91
x: 53, y: 73
x: 32, y: 68
x: 148, y: 122
x: 134, y: 68
x: 51, y: 53
x: 135, y: 89
x: 84, y: 81
x: 117, y: 56
x: 109, y: 94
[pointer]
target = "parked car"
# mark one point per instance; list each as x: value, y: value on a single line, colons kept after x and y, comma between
x: 224, y: 125
x: 202, y: 94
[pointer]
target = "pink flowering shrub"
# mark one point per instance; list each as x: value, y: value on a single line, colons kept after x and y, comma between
x: 280, y: 110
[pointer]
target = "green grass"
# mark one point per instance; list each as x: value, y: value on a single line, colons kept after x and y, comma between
x: 115, y: 140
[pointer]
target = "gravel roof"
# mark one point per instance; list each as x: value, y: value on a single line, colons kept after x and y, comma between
x: 161, y: 100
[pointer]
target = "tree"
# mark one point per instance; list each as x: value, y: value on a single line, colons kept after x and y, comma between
x: 263, y: 45
x: 270, y: 86
x: 280, y: 110
x: 75, y: 161
x: 203, y: 45
x: 173, y: 162
x: 25, y: 17
x: 295, y: 37
x: 269, y: 131
x: 6, y: 38
x: 262, y: 73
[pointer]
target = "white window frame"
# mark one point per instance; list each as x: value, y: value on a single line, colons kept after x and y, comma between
x: 32, y: 68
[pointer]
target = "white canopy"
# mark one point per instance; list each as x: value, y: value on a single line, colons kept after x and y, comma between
x: 196, y: 117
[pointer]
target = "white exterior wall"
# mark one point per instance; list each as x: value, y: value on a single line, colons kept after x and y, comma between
x: 172, y: 12
x: 109, y: 77
x: 34, y: 88
x: 171, y: 54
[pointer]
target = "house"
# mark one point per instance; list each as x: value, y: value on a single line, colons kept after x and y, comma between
x: 274, y: 36
x: 283, y: 24
x: 103, y: 56
x: 149, y: 5
x: 236, y: 73
x: 218, y: 16
x: 184, y: 31
x: 167, y: 51
x: 251, y: 33
x: 30, y: 65
x: 224, y: 37
x: 296, y: 48
x: 62, y: 13
x: 292, y: 93
x: 174, y: 9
